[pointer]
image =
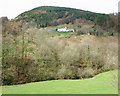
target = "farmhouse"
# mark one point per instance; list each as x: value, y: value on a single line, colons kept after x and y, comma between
x: 65, y: 29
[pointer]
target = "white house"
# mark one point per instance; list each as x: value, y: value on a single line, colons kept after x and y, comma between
x: 65, y: 29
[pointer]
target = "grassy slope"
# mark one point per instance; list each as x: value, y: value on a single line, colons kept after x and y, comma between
x: 100, y: 84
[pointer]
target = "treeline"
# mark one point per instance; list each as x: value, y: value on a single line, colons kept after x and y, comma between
x: 34, y: 56
x: 51, y: 16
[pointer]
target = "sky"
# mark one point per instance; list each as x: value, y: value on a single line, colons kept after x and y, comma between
x: 12, y: 8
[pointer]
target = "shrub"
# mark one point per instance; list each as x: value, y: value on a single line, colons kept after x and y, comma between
x: 88, y: 72
x: 55, y: 58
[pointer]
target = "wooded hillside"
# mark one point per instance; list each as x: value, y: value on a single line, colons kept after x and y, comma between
x: 51, y: 16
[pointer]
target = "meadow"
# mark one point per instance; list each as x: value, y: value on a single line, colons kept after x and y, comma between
x: 100, y: 84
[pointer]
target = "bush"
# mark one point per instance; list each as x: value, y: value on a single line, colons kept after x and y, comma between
x: 55, y: 58
x: 87, y: 73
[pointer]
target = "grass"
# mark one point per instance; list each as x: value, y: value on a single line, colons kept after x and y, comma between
x: 66, y: 25
x: 100, y: 84
x: 60, y: 34
x: 65, y: 36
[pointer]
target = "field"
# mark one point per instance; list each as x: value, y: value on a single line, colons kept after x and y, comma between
x: 100, y: 84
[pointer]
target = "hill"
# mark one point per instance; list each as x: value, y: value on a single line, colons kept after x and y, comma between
x: 100, y: 84
x: 51, y: 16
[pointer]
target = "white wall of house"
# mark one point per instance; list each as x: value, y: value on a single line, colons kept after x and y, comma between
x: 65, y: 29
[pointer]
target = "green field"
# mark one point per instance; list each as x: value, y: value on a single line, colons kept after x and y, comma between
x: 100, y: 84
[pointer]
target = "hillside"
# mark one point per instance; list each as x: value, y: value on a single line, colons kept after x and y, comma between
x: 51, y: 16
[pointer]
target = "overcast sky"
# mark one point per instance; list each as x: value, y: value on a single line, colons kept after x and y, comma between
x: 12, y: 8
